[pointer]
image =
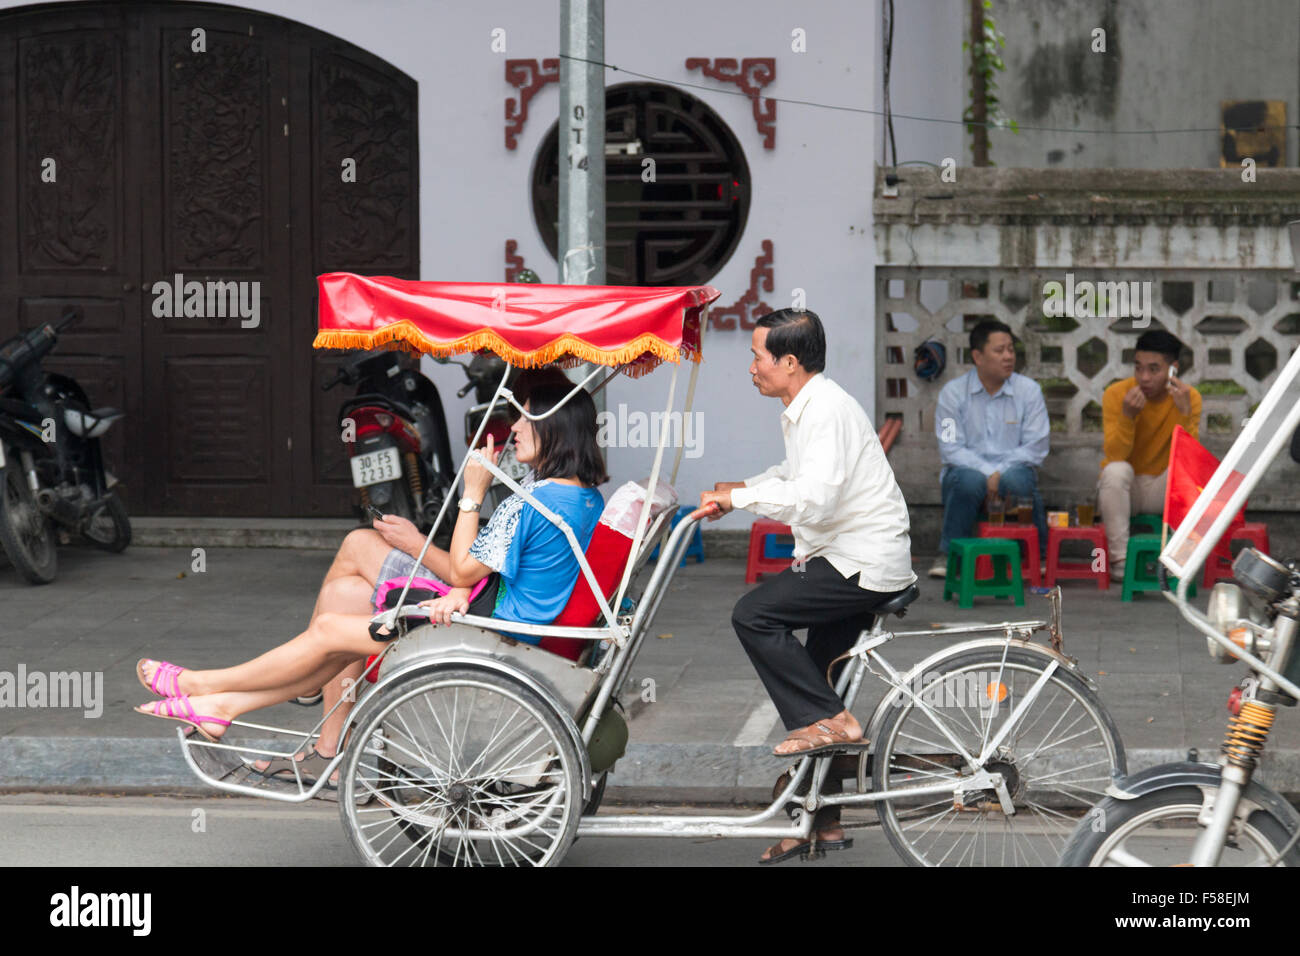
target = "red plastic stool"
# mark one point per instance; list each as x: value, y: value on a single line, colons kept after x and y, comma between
x: 1256, y: 532
x: 1056, y: 568
x: 1028, y: 565
x: 758, y: 563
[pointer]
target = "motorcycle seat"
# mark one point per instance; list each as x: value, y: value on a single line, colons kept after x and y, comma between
x: 90, y: 424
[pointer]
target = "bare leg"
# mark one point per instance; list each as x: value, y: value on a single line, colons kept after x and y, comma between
x: 283, y: 672
x: 332, y: 638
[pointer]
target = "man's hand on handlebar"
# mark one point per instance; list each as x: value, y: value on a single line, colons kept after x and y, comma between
x: 719, y: 500
x: 728, y: 485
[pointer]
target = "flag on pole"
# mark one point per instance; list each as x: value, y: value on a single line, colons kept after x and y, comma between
x: 1190, y: 468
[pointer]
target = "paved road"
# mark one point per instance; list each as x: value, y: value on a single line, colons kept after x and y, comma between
x: 61, y: 830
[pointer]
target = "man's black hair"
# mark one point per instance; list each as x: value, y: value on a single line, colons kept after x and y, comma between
x: 1158, y: 340
x: 979, y: 336
x: 791, y: 332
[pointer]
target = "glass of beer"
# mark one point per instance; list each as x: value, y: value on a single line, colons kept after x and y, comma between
x: 1085, y: 515
x: 1025, y: 510
x: 996, y: 512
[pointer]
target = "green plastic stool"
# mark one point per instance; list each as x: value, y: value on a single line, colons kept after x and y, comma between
x: 1136, y: 579
x: 1152, y: 522
x: 1006, y: 580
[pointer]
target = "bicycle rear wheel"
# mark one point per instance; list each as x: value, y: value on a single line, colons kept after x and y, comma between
x: 1056, y: 760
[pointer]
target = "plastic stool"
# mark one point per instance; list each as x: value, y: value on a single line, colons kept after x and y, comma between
x: 1057, y: 569
x: 1018, y: 532
x: 695, y: 549
x: 1141, y: 548
x: 1152, y: 522
x: 963, y: 555
x: 1256, y: 532
x: 757, y: 562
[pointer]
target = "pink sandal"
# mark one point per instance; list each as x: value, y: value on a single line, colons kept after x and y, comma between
x: 179, y: 708
x: 166, y: 679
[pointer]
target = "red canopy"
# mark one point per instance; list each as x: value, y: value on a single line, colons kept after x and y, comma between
x: 525, y: 324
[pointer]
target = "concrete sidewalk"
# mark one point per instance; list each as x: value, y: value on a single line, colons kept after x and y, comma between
x: 706, y: 736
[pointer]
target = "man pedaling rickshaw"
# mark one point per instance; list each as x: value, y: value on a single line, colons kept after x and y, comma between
x: 852, y: 551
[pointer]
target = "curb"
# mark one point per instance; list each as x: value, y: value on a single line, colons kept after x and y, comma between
x: 707, y: 773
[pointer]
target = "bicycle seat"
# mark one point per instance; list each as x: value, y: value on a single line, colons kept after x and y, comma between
x: 899, y: 602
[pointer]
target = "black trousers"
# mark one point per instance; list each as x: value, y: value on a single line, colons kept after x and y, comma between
x: 833, y: 608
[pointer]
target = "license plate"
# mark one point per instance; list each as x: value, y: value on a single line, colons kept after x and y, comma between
x: 377, y: 466
x: 507, y: 463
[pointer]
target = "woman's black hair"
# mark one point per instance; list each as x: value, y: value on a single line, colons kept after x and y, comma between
x: 566, y: 440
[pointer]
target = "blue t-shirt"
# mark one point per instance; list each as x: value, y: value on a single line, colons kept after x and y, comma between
x: 533, y: 557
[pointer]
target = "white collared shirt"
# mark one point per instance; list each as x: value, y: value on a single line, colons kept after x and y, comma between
x: 836, y: 490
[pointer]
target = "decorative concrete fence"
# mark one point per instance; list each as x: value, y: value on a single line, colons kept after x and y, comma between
x: 1196, y: 252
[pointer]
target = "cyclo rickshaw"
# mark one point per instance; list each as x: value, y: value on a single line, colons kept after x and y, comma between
x: 468, y: 747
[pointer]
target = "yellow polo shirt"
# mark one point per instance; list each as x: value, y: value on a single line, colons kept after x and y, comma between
x: 1143, y: 441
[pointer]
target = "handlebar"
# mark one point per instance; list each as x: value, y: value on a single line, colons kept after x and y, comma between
x: 711, y: 508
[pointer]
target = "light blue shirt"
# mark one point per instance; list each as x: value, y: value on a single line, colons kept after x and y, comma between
x: 991, y: 432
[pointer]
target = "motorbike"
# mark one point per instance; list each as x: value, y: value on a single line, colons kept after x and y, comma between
x: 52, y: 473
x: 1220, y: 814
x: 396, y: 434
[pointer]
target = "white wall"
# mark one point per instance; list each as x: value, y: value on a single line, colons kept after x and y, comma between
x: 811, y: 193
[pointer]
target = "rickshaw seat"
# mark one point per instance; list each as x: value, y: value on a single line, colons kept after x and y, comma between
x: 607, y: 553
x: 899, y: 602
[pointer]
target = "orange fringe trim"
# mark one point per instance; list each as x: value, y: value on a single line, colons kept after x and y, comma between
x: 408, y: 337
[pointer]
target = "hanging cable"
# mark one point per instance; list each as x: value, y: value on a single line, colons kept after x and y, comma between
x: 920, y: 119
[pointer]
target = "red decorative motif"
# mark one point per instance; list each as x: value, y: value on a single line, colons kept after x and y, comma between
x: 748, y: 309
x: 528, y: 78
x: 751, y: 75
x: 514, y: 261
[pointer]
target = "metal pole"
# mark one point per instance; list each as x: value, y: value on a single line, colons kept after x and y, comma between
x: 582, y: 146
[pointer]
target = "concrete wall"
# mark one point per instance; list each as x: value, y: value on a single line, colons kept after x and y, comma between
x: 1168, y: 65
x: 811, y: 193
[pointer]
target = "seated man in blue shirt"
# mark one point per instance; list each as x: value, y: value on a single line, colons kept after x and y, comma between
x: 993, y: 434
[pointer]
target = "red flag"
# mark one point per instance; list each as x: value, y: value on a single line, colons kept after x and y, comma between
x: 1190, y: 468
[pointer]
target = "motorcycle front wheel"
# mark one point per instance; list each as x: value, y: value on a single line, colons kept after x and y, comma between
x: 109, y: 527
x: 1160, y: 828
x: 25, y: 534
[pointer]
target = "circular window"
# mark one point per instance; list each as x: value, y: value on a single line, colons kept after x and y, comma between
x: 681, y: 227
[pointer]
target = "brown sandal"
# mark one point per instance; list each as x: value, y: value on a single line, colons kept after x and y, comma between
x: 820, y: 738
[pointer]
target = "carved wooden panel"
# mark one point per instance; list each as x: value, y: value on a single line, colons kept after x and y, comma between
x: 215, y: 428
x: 94, y: 315
x: 69, y: 89
x: 215, y: 131
x: 221, y: 165
x: 365, y: 224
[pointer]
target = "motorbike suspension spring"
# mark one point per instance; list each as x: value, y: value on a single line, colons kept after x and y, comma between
x: 413, y: 474
x: 1247, y: 732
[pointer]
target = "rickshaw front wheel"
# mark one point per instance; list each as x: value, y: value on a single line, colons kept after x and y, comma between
x: 465, y: 767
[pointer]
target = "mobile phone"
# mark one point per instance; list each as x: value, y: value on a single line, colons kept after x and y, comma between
x: 375, y: 513
x: 1173, y: 370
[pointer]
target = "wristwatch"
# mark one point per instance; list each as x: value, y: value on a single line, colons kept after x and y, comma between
x: 469, y: 504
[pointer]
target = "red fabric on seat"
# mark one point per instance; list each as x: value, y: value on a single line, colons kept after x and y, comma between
x: 607, y: 554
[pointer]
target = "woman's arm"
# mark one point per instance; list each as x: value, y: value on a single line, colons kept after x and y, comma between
x: 464, y: 571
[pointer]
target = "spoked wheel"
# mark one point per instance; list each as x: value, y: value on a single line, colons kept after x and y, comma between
x: 1160, y: 829
x: 467, y: 768
x: 25, y: 534
x: 1056, y: 762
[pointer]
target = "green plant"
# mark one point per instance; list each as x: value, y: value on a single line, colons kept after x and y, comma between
x: 985, y: 110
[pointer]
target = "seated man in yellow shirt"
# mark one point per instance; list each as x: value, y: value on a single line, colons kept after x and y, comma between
x: 1138, y: 418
